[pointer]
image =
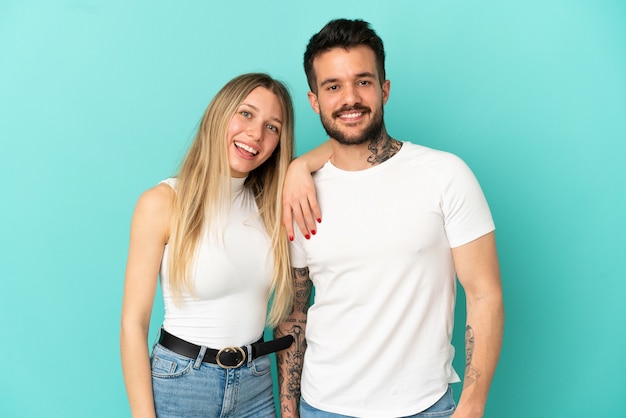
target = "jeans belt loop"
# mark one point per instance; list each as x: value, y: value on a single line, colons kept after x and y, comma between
x: 199, y: 357
x: 248, y: 349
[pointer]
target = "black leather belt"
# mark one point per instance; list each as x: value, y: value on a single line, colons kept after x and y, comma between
x: 228, y: 357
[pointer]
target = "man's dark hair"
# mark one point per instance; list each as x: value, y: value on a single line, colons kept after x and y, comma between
x: 343, y: 33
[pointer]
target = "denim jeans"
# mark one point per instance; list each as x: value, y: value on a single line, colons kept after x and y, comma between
x: 443, y: 408
x: 185, y: 387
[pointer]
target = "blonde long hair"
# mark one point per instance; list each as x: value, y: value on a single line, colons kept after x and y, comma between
x: 203, y: 188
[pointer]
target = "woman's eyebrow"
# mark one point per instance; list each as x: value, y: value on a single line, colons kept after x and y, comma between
x: 257, y: 109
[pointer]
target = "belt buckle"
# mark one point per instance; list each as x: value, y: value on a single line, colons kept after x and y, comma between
x: 230, y: 350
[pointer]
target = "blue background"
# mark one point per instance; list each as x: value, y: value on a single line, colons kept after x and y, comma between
x: 99, y: 101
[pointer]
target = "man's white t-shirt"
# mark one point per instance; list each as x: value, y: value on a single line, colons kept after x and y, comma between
x: 379, y: 330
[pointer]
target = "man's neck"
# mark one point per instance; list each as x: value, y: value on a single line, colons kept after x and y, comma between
x: 364, y: 156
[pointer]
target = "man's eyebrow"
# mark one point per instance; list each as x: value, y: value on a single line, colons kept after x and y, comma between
x: 329, y: 81
x: 365, y: 74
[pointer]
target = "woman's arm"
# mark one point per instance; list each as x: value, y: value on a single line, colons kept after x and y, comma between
x: 148, y: 234
x: 299, y: 197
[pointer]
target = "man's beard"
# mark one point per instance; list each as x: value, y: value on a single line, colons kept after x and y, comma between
x: 372, y: 131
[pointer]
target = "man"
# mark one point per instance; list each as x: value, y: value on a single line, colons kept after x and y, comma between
x: 401, y: 222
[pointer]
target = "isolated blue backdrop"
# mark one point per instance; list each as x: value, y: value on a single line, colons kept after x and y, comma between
x: 99, y: 100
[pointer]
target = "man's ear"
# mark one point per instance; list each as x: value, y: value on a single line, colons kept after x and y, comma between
x: 386, y: 87
x: 314, y: 103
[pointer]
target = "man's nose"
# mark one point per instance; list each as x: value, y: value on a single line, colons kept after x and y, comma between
x: 351, y: 95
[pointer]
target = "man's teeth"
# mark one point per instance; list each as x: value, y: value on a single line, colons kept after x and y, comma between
x: 247, y: 148
x: 352, y: 115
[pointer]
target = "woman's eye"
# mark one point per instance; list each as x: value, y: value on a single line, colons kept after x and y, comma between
x: 245, y: 113
x: 272, y: 128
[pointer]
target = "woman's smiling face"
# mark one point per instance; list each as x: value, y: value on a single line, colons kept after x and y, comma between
x: 254, y: 131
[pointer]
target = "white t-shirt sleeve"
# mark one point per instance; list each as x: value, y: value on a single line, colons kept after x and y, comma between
x: 297, y: 254
x: 465, y: 209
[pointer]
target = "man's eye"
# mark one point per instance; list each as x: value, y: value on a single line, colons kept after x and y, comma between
x: 364, y: 82
x: 335, y: 87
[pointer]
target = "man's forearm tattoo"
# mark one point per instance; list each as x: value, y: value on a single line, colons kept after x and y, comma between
x: 290, y: 361
x: 302, y: 290
x: 290, y: 367
x: 471, y: 372
x: 383, y: 148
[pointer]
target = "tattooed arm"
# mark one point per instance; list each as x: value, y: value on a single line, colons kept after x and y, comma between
x: 478, y: 271
x: 289, y: 362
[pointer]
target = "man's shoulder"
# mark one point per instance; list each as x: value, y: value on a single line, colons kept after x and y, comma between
x: 425, y: 155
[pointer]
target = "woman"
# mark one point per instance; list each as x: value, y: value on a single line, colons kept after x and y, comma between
x: 214, y: 235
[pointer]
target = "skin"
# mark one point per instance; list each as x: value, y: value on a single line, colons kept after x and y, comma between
x: 255, y: 127
x: 350, y: 98
x: 348, y: 80
x: 256, y: 124
x: 478, y: 271
x: 289, y: 362
x: 299, y: 199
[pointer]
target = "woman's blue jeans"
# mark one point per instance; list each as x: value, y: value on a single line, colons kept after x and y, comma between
x: 185, y: 387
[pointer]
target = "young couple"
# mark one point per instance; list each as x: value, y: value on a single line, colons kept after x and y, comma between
x: 401, y: 222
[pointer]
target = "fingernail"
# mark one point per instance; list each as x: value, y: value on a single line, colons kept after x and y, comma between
x: 319, y: 220
x: 313, y: 231
x: 290, y: 237
x: 307, y: 236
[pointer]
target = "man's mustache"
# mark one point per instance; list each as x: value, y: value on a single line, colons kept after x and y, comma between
x: 357, y: 108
